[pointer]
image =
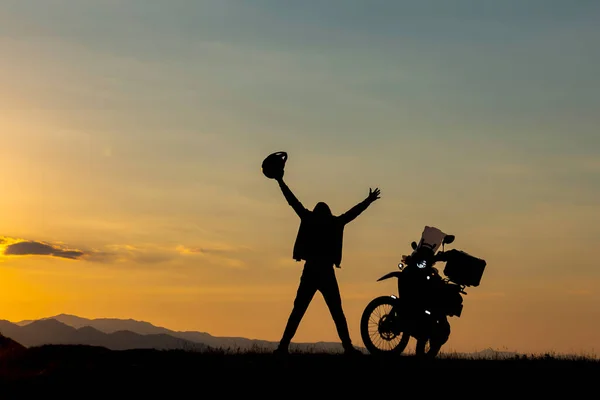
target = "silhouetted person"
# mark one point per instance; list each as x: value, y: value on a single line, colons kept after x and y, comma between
x: 319, y: 244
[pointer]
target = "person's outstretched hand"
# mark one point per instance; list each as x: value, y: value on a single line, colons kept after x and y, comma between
x: 279, y: 176
x: 373, y: 194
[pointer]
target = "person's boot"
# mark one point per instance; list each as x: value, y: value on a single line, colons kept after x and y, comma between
x: 350, y: 350
x: 281, y: 350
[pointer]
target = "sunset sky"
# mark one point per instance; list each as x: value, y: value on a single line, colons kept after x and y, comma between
x: 132, y: 134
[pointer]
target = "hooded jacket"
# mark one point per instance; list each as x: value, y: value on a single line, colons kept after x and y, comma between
x: 321, y: 234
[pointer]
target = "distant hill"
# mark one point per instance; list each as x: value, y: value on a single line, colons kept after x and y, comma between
x: 488, y: 354
x: 106, y: 325
x: 9, y: 347
x: 114, y: 325
x: 126, y: 333
x: 52, y: 331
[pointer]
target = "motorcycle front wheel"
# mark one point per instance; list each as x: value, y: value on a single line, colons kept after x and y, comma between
x: 378, y: 328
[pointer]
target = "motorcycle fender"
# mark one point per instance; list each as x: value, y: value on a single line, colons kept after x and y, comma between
x: 395, y: 274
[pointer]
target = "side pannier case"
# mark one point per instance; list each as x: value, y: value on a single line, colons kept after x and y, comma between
x: 463, y: 268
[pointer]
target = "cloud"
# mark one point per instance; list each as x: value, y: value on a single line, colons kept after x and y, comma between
x: 218, y: 253
x: 213, y: 248
x: 17, y: 247
x: 10, y: 246
x: 100, y: 256
x: 120, y: 253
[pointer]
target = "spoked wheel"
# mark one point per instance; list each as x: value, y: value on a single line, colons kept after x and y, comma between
x: 377, y: 328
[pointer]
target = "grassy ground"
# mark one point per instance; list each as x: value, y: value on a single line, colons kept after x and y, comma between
x: 97, y: 369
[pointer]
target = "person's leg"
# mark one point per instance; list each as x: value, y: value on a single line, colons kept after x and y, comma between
x: 331, y: 293
x: 305, y: 294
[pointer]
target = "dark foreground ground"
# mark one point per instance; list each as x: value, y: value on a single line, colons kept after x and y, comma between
x: 83, y: 371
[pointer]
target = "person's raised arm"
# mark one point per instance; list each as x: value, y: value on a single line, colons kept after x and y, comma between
x: 355, y: 211
x: 291, y: 199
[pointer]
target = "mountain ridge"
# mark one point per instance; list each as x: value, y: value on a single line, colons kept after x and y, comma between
x: 116, y: 326
x: 113, y: 325
x: 51, y: 331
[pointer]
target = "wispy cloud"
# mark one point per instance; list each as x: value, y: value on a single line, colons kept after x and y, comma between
x: 212, y: 248
x: 120, y: 253
x: 221, y: 253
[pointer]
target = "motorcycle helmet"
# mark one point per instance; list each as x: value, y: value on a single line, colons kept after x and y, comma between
x: 272, y: 166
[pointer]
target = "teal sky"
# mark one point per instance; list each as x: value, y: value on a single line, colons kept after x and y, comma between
x: 144, y: 123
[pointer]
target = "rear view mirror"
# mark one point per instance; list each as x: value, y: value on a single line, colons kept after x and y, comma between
x: 413, y: 245
x: 448, y: 239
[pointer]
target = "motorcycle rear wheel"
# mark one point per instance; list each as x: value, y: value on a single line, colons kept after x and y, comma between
x: 430, y: 348
x: 425, y: 349
x: 376, y: 328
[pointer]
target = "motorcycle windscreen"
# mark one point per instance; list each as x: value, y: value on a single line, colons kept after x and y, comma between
x: 431, y: 237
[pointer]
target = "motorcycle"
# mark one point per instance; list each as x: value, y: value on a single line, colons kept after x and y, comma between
x: 425, y: 299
